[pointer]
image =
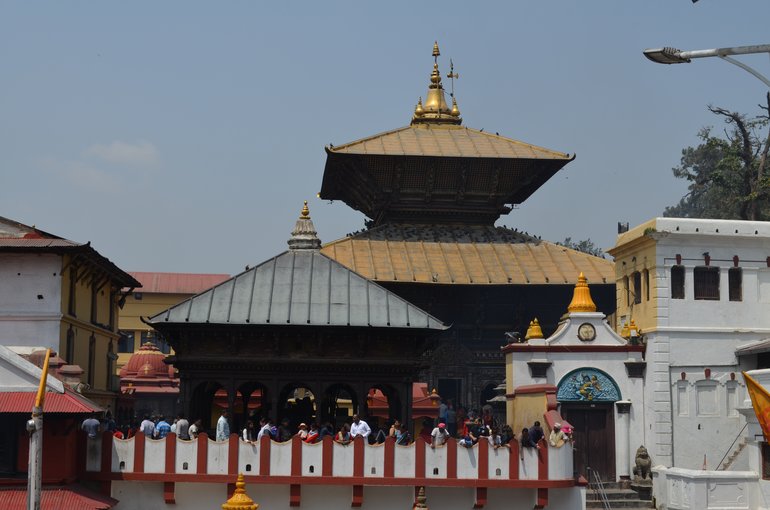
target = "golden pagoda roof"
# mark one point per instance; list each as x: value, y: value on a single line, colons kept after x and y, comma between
x: 448, y: 254
x: 445, y: 140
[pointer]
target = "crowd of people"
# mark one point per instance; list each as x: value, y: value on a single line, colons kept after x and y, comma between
x: 468, y: 429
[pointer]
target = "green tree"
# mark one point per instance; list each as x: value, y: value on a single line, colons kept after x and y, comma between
x: 586, y: 246
x: 728, y: 175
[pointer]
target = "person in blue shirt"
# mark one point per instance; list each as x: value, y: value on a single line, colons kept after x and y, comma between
x: 162, y: 429
x: 223, y: 427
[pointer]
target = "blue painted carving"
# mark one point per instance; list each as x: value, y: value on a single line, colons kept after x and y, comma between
x: 587, y: 385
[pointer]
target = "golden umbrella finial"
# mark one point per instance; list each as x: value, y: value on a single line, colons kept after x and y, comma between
x: 581, y: 299
x: 534, y: 330
x: 305, y: 212
x: 436, y: 52
x: 240, y: 500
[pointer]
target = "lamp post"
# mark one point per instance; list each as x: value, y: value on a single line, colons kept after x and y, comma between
x: 674, y: 56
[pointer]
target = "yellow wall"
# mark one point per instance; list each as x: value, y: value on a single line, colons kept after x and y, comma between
x: 102, y: 325
x: 527, y: 409
x: 635, y: 251
x: 149, y: 305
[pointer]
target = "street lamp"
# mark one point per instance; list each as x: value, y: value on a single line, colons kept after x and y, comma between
x: 674, y: 56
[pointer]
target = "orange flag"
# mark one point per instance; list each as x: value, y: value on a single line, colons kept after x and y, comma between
x: 760, y: 399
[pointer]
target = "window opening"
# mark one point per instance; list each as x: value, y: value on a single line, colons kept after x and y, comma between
x: 677, y: 282
x: 706, y: 283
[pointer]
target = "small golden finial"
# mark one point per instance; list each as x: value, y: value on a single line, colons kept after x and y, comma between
x: 455, y: 109
x: 418, y: 110
x: 534, y: 330
x: 240, y: 500
x: 436, y: 52
x: 305, y: 212
x: 581, y: 299
x: 625, y: 332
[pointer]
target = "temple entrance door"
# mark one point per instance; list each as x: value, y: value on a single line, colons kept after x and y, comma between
x: 594, y: 437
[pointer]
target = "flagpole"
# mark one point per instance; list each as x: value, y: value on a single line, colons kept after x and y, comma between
x: 35, y: 429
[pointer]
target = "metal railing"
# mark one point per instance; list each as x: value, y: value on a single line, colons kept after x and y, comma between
x: 595, y: 484
x: 730, y: 448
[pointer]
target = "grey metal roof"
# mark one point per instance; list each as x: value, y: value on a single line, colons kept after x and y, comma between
x: 301, y: 288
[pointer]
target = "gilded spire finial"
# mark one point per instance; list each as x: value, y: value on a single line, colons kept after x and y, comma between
x: 435, y: 110
x: 581, y: 298
x: 304, y: 235
x: 240, y: 500
x: 534, y: 330
x: 421, y: 501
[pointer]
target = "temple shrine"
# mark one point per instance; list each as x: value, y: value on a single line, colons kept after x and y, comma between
x: 432, y: 192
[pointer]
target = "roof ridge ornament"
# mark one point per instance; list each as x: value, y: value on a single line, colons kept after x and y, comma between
x: 304, y: 235
x: 436, y: 110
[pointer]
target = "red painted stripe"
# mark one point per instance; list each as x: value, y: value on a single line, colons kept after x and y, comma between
x: 358, y: 495
x: 139, y: 453
x: 203, y: 453
x: 171, y: 453
x: 295, y: 493
x: 107, y: 452
x: 358, y: 456
x: 264, y: 455
x: 542, y: 460
x: 542, y: 498
x: 327, y: 456
x: 451, y: 459
x: 513, y: 460
x: 169, y: 495
x: 483, y: 451
x: 233, y: 454
x: 296, y: 457
x: 481, y: 497
x: 390, y: 457
x: 419, y: 458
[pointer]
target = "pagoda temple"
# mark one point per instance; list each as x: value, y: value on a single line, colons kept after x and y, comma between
x: 432, y: 192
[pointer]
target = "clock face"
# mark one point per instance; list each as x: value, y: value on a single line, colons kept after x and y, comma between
x: 586, y: 332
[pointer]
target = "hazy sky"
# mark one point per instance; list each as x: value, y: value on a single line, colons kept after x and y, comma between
x: 184, y: 136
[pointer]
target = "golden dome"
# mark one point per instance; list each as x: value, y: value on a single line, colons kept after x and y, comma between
x: 581, y: 299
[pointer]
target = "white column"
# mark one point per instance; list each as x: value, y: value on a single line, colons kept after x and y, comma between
x: 622, y: 438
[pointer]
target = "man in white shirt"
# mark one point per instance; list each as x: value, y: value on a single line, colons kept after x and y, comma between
x: 359, y: 428
x: 147, y: 427
x: 439, y: 435
x: 223, y: 427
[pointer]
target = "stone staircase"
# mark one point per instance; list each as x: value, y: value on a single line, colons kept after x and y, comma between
x: 618, y: 495
x: 734, y: 455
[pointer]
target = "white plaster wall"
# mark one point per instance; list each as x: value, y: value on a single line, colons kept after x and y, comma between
x: 123, y: 451
x: 528, y: 464
x: 374, y: 461
x: 467, y: 462
x: 186, y: 453
x: 435, y: 461
x: 342, y: 463
x: 312, y: 456
x: 205, y: 496
x: 217, y: 457
x: 560, y: 463
x: 248, y: 457
x: 24, y: 319
x: 155, y: 455
x: 280, y: 458
x: 499, y: 460
x: 403, y: 461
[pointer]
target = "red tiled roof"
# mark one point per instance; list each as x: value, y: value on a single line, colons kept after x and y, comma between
x: 178, y: 283
x: 68, y: 402
x: 57, y: 498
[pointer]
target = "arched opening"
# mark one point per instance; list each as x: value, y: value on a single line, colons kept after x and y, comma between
x: 206, y: 403
x: 384, y: 406
x: 251, y: 403
x: 339, y: 403
x: 297, y: 403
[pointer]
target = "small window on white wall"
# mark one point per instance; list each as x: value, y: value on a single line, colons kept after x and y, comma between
x: 706, y: 398
x: 682, y: 398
